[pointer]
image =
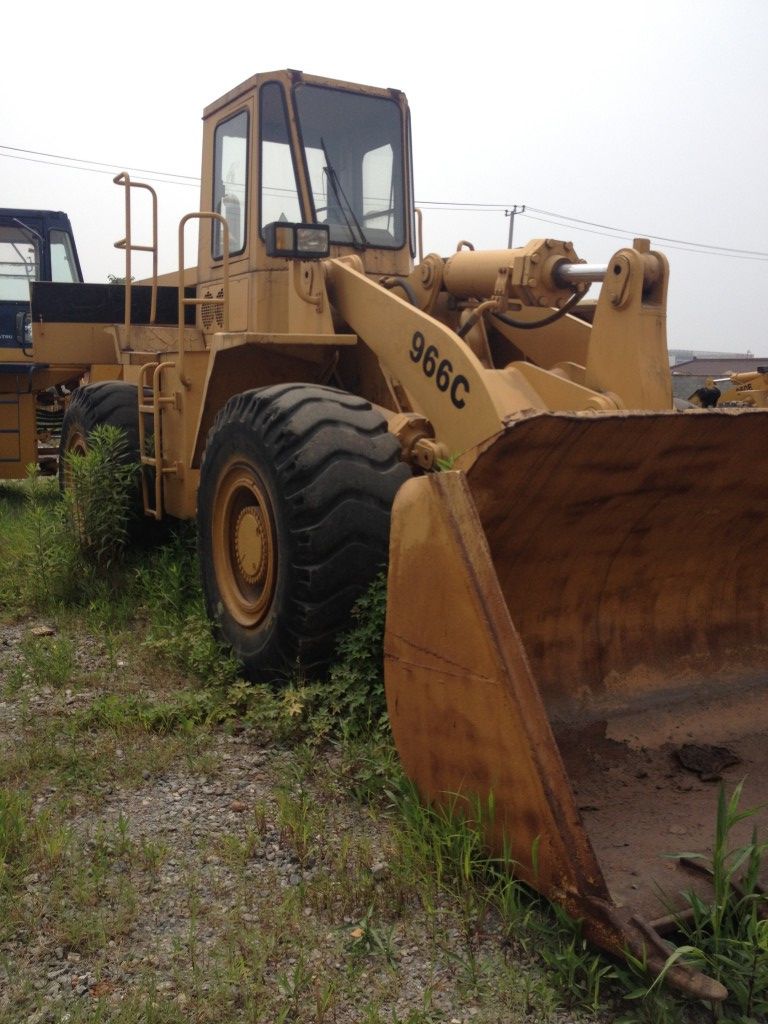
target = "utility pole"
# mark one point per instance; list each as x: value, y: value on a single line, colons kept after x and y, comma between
x: 511, y: 214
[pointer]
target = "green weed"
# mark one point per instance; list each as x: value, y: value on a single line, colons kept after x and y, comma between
x: 100, y: 496
x: 129, y: 713
x: 727, y: 934
x: 38, y: 557
x: 369, y: 767
x: 64, y: 545
x: 49, y: 570
x: 443, y: 846
x: 13, y: 830
x: 349, y: 706
x: 299, y: 819
x: 578, y: 970
x: 168, y: 589
x: 44, y: 661
x: 368, y: 939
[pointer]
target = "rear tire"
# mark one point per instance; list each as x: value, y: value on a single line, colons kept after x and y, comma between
x: 113, y: 403
x: 296, y: 487
x: 109, y: 403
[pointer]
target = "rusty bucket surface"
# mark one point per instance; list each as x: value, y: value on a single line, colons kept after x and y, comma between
x: 577, y: 624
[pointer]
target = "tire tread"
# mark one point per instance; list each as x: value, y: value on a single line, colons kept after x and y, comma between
x: 338, y: 469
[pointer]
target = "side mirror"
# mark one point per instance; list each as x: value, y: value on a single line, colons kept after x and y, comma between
x: 24, y: 329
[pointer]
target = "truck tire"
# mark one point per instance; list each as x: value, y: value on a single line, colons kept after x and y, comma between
x: 296, y: 487
x: 112, y: 403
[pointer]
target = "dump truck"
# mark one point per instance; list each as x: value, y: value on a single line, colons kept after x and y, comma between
x: 35, y: 245
x: 565, y: 638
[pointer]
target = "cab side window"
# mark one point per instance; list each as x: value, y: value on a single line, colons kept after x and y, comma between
x: 230, y: 183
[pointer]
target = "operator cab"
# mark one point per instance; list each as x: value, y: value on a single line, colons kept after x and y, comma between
x: 286, y: 148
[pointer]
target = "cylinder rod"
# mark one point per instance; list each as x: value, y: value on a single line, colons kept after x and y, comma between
x: 574, y: 273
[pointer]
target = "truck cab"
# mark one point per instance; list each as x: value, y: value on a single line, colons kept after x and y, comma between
x: 35, y: 245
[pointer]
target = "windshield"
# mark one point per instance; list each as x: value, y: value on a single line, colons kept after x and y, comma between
x: 354, y: 154
x: 19, y: 262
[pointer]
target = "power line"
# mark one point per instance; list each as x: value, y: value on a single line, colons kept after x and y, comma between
x: 448, y: 206
x: 98, y: 170
x: 95, y: 163
x: 693, y: 247
x: 563, y: 220
x: 658, y: 238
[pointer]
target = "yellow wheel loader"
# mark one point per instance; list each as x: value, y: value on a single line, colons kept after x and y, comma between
x: 748, y: 389
x: 566, y: 633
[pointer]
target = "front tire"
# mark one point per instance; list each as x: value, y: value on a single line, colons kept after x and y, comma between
x: 296, y: 486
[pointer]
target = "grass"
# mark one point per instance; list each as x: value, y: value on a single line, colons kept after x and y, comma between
x: 334, y: 895
x: 728, y: 935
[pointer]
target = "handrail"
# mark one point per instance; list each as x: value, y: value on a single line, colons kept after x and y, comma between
x: 196, y: 301
x: 127, y: 244
x: 154, y: 460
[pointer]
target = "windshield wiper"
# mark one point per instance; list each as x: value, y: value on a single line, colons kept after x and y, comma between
x: 30, y: 231
x: 342, y: 201
x: 29, y: 270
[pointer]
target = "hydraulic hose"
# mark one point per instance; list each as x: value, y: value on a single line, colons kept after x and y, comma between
x: 531, y: 325
x: 400, y: 282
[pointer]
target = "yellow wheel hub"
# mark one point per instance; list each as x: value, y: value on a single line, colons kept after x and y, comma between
x: 251, y: 545
x: 76, y: 445
x: 244, y: 548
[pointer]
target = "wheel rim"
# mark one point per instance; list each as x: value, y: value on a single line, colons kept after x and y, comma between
x: 244, y: 548
x: 76, y: 445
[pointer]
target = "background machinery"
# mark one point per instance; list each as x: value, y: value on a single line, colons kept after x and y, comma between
x: 748, y: 389
x: 561, y: 620
x: 35, y: 245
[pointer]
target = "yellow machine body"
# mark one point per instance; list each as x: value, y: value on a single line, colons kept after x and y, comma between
x: 748, y: 389
x: 563, y: 610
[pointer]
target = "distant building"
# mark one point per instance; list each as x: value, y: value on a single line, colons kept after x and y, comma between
x: 692, y: 372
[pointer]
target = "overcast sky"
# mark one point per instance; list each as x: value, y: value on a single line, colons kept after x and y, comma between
x: 646, y: 118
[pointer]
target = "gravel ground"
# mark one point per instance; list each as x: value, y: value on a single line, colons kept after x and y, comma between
x: 211, y: 880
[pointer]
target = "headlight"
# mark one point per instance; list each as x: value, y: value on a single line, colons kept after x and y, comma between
x: 297, y: 241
